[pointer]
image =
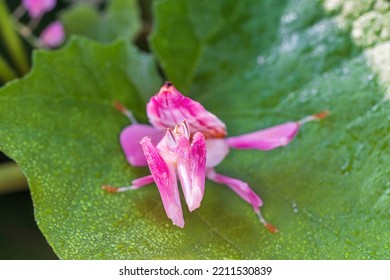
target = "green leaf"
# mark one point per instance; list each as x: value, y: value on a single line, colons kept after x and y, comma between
x: 252, y: 63
x: 59, y: 124
x: 260, y: 63
x: 120, y: 19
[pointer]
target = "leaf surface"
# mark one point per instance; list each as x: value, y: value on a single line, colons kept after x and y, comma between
x: 260, y: 63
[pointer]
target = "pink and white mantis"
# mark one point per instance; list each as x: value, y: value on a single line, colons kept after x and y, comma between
x: 194, y: 142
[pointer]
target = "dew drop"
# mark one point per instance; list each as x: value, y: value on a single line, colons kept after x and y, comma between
x: 319, y: 49
x: 345, y: 71
x: 346, y: 167
x: 261, y: 60
x: 289, y: 18
x: 99, y: 255
x: 291, y: 96
x: 375, y: 107
x: 289, y: 43
x: 294, y: 206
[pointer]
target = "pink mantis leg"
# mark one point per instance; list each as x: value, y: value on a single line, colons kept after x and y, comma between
x: 272, y: 137
x: 135, y: 184
x: 243, y: 190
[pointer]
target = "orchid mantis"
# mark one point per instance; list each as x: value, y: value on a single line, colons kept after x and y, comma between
x: 194, y: 142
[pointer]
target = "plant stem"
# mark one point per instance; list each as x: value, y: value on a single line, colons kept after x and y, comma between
x: 11, y: 178
x: 26, y: 33
x: 18, y: 12
x: 34, y: 22
x: 12, y: 40
x: 6, y: 72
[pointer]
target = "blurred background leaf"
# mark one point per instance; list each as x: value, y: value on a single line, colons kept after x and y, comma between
x: 121, y: 18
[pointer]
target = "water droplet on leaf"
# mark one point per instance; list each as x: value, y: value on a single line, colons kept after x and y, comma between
x: 346, y: 167
x: 289, y: 18
x: 261, y: 60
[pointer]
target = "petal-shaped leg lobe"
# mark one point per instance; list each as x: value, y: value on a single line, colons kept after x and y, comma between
x: 217, y: 150
x: 165, y: 178
x: 241, y: 188
x: 142, y: 181
x: 130, y: 141
x: 245, y: 192
x: 266, y: 139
